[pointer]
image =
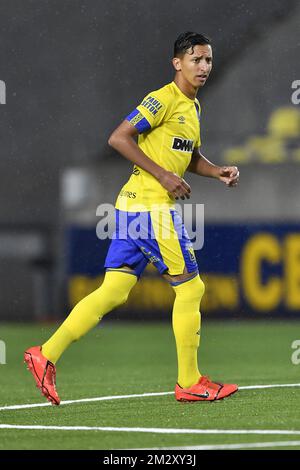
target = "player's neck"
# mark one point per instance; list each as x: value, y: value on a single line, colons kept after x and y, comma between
x: 187, y: 89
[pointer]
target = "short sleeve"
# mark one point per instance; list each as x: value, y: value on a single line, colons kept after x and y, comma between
x: 150, y: 113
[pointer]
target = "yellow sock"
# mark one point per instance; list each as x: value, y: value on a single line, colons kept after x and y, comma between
x: 186, y: 327
x: 89, y: 311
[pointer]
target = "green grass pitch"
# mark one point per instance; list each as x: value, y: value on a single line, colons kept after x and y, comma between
x: 134, y: 358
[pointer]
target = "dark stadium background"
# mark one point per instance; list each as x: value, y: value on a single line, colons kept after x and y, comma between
x: 73, y: 69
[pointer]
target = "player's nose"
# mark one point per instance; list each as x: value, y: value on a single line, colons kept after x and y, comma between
x: 204, y: 68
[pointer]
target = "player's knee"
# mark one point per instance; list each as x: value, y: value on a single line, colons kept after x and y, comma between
x: 192, y: 289
x: 115, y: 297
x: 200, y: 287
x: 115, y: 291
x: 122, y: 299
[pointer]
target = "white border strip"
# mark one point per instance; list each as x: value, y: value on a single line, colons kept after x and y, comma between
x: 120, y: 397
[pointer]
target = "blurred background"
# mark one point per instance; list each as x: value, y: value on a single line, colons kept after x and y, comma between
x: 70, y: 71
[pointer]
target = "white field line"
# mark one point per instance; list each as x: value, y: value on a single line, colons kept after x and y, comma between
x: 153, y: 430
x: 246, y: 445
x: 120, y: 397
x: 253, y: 387
x: 85, y: 400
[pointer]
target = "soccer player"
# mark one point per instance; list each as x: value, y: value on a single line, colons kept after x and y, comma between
x: 167, y: 123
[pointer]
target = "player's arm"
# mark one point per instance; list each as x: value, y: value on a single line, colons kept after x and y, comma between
x: 123, y: 140
x: 203, y: 167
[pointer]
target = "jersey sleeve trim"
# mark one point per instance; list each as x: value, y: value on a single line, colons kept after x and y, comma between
x: 138, y: 121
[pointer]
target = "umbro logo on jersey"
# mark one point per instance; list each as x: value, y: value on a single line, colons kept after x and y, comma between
x: 136, y: 171
x: 184, y: 145
x: 181, y: 120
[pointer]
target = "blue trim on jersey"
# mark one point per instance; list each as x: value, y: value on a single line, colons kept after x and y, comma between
x: 143, y: 125
x: 132, y: 114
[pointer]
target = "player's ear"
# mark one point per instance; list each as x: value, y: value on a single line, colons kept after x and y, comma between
x: 176, y: 64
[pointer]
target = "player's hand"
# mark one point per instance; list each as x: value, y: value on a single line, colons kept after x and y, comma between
x: 229, y: 175
x: 175, y: 185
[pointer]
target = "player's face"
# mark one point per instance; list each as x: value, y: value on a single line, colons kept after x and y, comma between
x: 196, y: 65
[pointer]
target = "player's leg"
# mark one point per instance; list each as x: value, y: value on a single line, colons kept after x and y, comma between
x: 181, y: 271
x: 124, y: 264
x: 84, y: 316
x: 168, y: 247
x: 186, y: 322
x: 191, y: 385
x: 112, y: 293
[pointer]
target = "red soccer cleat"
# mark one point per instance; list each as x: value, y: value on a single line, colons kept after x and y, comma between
x: 205, y: 390
x: 44, y: 373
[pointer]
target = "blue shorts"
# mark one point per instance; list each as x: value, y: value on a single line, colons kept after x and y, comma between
x: 157, y: 237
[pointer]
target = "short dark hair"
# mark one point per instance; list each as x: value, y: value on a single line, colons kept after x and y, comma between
x: 188, y: 40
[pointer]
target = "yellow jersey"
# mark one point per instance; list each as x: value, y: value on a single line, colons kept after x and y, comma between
x: 168, y: 123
